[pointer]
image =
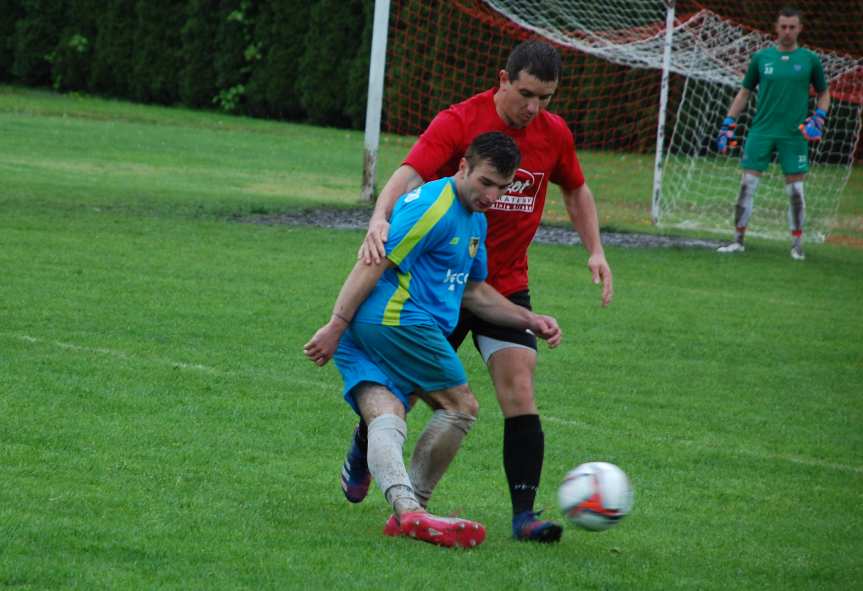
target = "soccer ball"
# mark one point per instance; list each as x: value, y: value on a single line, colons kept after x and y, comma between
x: 595, y: 495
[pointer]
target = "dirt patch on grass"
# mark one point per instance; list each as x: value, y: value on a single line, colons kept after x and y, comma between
x: 358, y: 219
x: 852, y: 241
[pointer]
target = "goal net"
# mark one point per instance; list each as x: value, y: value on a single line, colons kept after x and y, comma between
x: 442, y: 52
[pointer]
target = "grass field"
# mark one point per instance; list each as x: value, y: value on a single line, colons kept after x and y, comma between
x: 160, y: 428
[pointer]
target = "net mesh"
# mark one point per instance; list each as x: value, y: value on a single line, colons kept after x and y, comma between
x: 442, y: 52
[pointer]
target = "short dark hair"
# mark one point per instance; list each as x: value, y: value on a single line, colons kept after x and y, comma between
x: 537, y: 59
x: 496, y: 147
x: 789, y: 11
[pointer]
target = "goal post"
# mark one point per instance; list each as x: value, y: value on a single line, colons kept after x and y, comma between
x: 658, y: 161
x: 640, y: 77
x: 699, y: 184
x: 374, y: 104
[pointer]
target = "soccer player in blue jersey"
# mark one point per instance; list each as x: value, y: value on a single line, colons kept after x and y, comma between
x: 388, y: 333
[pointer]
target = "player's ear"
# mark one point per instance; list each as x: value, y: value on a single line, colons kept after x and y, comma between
x: 503, y: 76
x: 463, y: 168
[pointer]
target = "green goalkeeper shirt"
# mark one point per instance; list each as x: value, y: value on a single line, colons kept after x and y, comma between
x: 783, y: 79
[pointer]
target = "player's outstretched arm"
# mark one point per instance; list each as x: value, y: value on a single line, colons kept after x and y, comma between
x: 487, y: 303
x: 357, y: 287
x: 404, y: 179
x: 581, y: 208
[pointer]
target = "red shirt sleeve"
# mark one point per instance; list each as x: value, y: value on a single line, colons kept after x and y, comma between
x: 567, y: 172
x: 439, y: 148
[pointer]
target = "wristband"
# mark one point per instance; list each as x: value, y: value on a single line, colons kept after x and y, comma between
x: 342, y: 318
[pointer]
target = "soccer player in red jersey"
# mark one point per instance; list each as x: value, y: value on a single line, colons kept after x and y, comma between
x: 517, y: 107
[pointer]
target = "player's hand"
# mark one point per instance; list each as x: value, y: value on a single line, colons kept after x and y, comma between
x: 813, y: 128
x: 372, y: 249
x: 323, y: 344
x: 601, y: 273
x: 546, y: 327
x: 726, y: 135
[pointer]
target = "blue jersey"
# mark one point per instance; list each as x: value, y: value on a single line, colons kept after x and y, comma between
x: 437, y: 245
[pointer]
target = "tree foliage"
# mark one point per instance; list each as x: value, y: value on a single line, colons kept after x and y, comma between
x: 286, y: 59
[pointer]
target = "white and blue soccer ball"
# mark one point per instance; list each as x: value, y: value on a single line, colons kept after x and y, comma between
x: 595, y: 495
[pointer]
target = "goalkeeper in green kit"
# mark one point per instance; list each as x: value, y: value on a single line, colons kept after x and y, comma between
x: 782, y: 74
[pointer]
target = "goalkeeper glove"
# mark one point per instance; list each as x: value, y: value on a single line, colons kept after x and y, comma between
x: 813, y: 127
x: 726, y: 135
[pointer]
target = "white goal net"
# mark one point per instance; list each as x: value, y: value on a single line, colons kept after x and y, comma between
x: 709, y: 56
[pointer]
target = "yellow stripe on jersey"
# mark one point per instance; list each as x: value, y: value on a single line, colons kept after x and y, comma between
x: 432, y: 215
x: 396, y: 303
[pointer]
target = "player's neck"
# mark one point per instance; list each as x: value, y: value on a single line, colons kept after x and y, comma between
x: 786, y: 48
x: 500, y: 112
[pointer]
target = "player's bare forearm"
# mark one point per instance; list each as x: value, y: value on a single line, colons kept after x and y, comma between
x: 404, y: 179
x: 581, y: 207
x: 822, y: 101
x: 739, y: 103
x: 487, y: 303
x: 356, y: 288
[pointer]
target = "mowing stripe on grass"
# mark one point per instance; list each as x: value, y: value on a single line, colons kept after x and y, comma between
x: 167, y: 362
x: 761, y: 455
x: 754, y: 453
x: 117, y: 354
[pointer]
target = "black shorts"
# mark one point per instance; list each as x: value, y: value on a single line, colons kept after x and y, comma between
x: 468, y: 322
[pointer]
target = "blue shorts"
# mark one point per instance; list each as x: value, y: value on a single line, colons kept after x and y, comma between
x: 404, y: 359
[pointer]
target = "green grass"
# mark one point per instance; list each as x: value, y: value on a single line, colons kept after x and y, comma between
x: 160, y: 428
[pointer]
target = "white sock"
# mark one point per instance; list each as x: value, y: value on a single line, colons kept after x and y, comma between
x: 796, y: 206
x: 743, y: 209
x: 386, y: 462
x: 435, y: 450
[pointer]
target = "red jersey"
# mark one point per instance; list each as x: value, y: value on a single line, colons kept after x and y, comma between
x: 547, y: 153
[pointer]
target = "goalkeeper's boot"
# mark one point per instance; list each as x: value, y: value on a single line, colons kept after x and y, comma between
x: 356, y: 477
x: 450, y: 532
x: 527, y: 527
x: 797, y: 251
x: 733, y: 247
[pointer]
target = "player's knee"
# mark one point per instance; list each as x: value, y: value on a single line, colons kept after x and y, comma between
x: 459, y: 420
x: 374, y: 400
x: 795, y: 194
x: 459, y: 399
x: 517, y: 386
x: 517, y: 403
x: 467, y: 404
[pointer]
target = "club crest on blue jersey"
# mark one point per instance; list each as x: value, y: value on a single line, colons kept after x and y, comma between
x: 474, y: 246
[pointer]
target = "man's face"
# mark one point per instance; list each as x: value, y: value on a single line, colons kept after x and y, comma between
x: 787, y: 29
x: 522, y: 99
x: 479, y: 187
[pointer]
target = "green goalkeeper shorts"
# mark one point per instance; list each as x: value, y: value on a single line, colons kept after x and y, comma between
x: 792, y: 153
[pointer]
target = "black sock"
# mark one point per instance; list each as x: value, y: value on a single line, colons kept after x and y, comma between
x: 362, y: 435
x: 523, y: 449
